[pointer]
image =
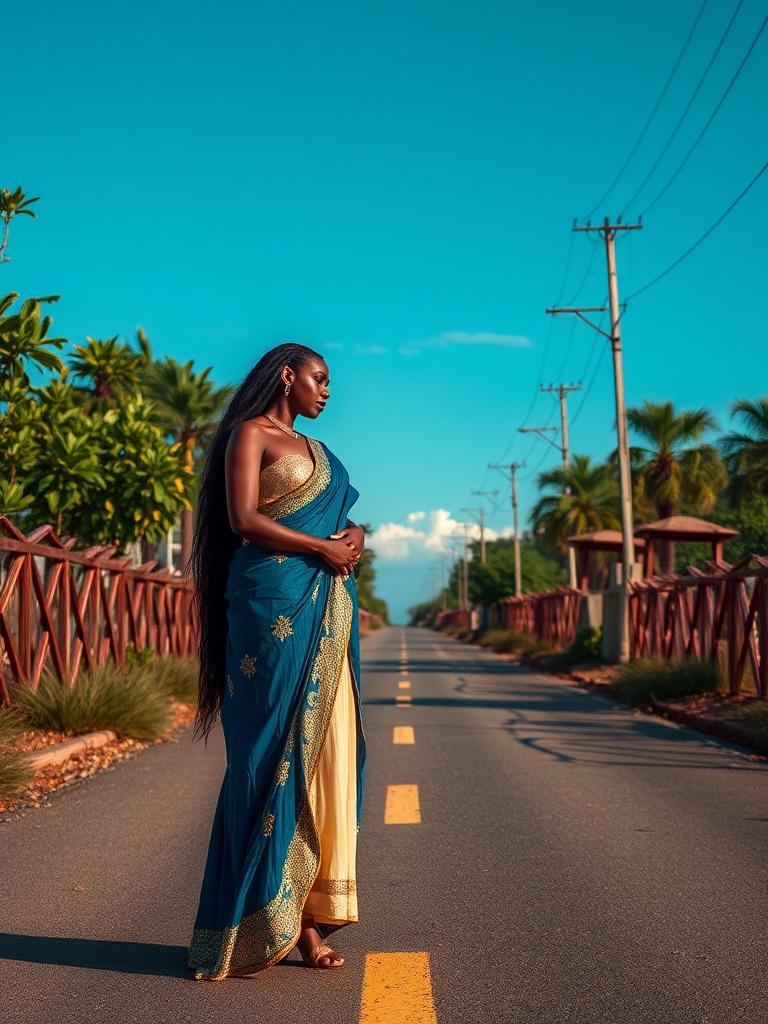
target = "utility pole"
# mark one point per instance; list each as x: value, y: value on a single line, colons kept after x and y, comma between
x: 513, y: 467
x: 609, y: 231
x: 481, y: 520
x: 562, y: 390
x: 455, y: 544
x: 492, y: 496
x: 465, y: 566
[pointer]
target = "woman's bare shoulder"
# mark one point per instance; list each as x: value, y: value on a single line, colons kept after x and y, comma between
x: 249, y: 434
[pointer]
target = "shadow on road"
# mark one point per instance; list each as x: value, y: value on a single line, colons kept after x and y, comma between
x: 563, y: 722
x: 97, y: 954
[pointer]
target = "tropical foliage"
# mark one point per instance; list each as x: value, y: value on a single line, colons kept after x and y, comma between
x: 584, y: 497
x: 13, y: 204
x: 92, y: 461
x: 746, y: 450
x: 365, y: 577
x: 187, y: 405
x: 674, y: 469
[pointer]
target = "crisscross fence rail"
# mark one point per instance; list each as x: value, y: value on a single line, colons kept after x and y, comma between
x: 550, y: 616
x: 719, y: 614
x: 62, y: 609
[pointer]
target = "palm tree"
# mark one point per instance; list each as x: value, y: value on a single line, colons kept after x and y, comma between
x: 592, y: 504
x: 110, y: 367
x: 674, y: 472
x: 13, y: 204
x: 187, y: 405
x: 746, y: 452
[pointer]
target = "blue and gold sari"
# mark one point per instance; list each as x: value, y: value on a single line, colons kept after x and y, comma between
x: 292, y: 633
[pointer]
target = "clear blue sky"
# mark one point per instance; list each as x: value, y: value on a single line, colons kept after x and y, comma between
x: 394, y: 184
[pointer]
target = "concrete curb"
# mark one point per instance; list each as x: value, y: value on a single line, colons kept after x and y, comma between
x: 733, y: 732
x: 57, y: 753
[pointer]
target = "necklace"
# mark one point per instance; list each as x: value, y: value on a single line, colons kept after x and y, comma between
x: 282, y: 426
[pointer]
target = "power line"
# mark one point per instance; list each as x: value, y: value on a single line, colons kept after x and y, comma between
x: 686, y: 110
x: 651, y: 116
x: 710, y: 119
x: 706, y: 235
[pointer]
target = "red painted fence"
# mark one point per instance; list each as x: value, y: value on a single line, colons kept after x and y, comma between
x: 61, y: 609
x: 718, y: 614
x: 551, y: 616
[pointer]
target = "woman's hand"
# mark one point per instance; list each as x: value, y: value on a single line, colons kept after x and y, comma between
x: 339, y: 553
x: 356, y: 535
x: 345, y: 548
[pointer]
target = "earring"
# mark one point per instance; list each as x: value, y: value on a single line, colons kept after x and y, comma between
x: 287, y: 388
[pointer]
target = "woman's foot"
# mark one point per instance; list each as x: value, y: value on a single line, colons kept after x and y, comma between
x: 314, y: 951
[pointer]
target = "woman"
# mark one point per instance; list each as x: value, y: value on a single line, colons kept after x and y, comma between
x: 272, y: 559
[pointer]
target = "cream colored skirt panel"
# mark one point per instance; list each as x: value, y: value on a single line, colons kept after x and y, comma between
x: 333, y: 796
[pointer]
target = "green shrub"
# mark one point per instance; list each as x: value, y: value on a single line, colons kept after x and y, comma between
x: 176, y: 677
x: 533, y: 645
x: 506, y: 641
x: 586, y: 647
x: 129, y: 701
x: 640, y: 681
x: 491, y: 637
x: 15, y: 772
x: 138, y: 655
x: 11, y: 726
x: 588, y: 644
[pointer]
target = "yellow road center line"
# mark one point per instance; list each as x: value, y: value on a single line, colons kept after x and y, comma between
x: 403, y: 734
x: 402, y: 805
x: 397, y: 987
x: 404, y: 684
x: 404, y: 698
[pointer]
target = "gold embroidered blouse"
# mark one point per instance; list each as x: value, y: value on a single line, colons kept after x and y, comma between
x: 282, y: 476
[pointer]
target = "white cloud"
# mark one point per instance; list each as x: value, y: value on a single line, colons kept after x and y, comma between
x: 364, y: 349
x: 478, y: 338
x: 399, y: 541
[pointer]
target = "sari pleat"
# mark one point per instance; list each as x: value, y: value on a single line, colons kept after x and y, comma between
x: 283, y: 836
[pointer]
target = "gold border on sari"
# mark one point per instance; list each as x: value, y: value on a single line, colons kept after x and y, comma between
x: 263, y: 938
x: 306, y: 491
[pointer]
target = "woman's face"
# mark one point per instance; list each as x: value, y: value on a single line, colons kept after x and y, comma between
x: 309, y: 387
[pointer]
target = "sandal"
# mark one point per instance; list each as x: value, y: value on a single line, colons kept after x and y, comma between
x: 317, y: 953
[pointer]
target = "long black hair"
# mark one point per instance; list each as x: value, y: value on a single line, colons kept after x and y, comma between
x: 214, y: 541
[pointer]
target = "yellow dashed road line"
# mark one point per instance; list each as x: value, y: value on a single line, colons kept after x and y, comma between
x: 403, y: 734
x: 397, y: 988
x: 404, y: 684
x: 402, y: 806
x: 403, y: 698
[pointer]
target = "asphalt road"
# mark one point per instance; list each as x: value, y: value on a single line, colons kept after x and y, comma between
x: 575, y: 863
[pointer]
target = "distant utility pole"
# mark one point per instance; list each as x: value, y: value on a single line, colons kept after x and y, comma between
x: 492, y: 496
x: 562, y: 390
x: 443, y: 585
x: 609, y: 231
x: 465, y: 567
x: 512, y: 468
x: 481, y: 520
x: 455, y: 543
